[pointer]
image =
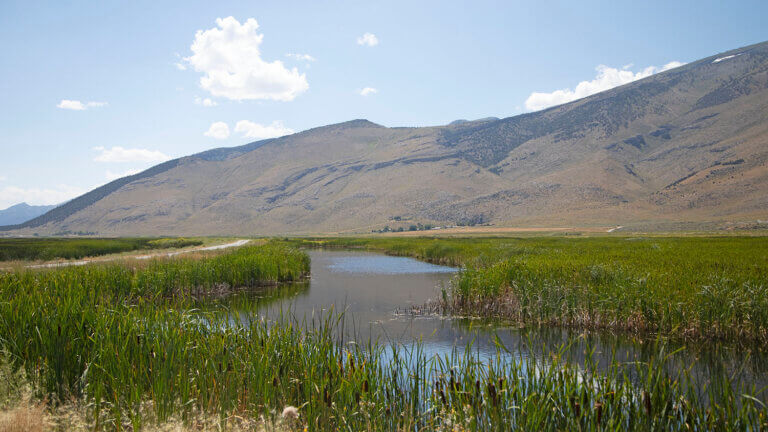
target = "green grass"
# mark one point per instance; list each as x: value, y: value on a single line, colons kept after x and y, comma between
x: 75, y: 248
x: 688, y: 287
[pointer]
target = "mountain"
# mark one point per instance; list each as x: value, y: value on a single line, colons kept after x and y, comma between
x: 686, y: 145
x: 21, y: 213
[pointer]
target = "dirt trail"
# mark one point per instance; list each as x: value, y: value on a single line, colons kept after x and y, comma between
x: 237, y: 243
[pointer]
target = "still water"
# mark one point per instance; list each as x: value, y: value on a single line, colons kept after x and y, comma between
x: 375, y: 290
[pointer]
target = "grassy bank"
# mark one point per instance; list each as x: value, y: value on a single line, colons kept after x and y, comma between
x: 703, y: 288
x: 75, y: 248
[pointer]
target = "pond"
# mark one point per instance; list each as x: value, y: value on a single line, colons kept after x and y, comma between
x: 375, y: 291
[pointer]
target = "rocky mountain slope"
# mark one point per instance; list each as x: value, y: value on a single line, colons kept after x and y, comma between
x: 688, y: 144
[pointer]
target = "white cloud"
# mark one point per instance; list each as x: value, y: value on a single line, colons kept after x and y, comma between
x: 11, y: 195
x: 120, y: 154
x: 368, y: 91
x: 230, y: 59
x: 250, y: 129
x: 607, y: 78
x: 181, y: 66
x: 218, y: 130
x: 207, y: 102
x: 369, y: 39
x: 302, y: 57
x: 114, y: 176
x: 79, y: 106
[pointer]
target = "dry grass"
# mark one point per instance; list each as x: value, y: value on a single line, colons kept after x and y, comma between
x: 27, y: 418
x: 35, y: 417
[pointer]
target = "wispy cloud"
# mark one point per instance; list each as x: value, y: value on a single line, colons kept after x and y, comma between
x: 206, y: 102
x: 76, y: 105
x: 607, y: 78
x: 121, y: 155
x: 368, y: 91
x: 301, y: 57
x: 368, y: 39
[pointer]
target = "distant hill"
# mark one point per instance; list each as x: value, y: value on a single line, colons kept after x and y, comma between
x: 687, y: 145
x: 21, y: 213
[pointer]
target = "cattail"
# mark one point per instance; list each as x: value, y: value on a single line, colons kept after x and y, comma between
x: 219, y: 367
x: 599, y: 409
x: 388, y: 412
x: 59, y: 330
x: 492, y: 393
x: 274, y: 382
x: 327, y: 397
x: 365, y: 386
x: 357, y: 398
x: 647, y: 402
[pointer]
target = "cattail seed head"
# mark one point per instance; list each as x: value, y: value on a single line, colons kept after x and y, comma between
x: 599, y: 409
x: 647, y: 402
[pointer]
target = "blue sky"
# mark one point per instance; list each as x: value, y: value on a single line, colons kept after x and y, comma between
x: 94, y: 90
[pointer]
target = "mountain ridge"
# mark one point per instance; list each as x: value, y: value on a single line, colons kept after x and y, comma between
x: 687, y: 144
x: 22, y: 212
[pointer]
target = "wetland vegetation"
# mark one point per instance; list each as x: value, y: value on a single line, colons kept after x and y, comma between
x: 76, y: 248
x: 703, y: 288
x: 133, y: 344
